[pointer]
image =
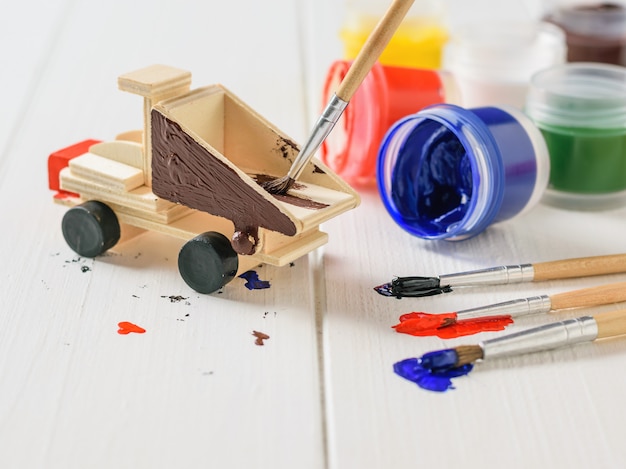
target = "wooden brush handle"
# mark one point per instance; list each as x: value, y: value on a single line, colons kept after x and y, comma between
x: 611, y: 324
x: 579, y: 267
x: 602, y: 295
x: 373, y: 47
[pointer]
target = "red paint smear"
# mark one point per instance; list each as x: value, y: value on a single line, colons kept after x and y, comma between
x: 128, y: 327
x: 64, y: 195
x: 424, y: 325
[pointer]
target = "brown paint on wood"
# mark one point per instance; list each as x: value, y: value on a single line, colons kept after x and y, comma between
x: 185, y: 172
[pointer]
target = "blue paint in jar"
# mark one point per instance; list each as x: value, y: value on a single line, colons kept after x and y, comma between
x: 448, y: 173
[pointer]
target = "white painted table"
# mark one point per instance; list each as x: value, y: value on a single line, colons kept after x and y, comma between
x: 195, y: 390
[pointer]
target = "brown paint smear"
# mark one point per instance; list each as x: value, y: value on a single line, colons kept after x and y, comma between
x: 185, y: 172
x: 298, y: 201
x: 260, y: 337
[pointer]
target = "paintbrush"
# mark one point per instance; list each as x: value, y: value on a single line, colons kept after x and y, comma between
x: 367, y: 56
x: 546, y: 337
x: 554, y: 270
x: 419, y: 323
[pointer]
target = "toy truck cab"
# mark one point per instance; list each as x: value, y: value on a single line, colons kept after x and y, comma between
x: 194, y: 173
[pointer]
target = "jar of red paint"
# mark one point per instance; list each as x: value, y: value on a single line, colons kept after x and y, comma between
x: 386, y: 94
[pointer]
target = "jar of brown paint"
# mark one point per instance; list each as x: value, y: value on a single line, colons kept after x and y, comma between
x: 595, y: 32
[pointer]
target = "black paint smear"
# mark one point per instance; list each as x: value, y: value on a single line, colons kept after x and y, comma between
x: 175, y: 298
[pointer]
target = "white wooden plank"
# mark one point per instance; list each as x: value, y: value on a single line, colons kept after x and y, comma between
x: 26, y: 31
x: 553, y: 409
x: 194, y: 390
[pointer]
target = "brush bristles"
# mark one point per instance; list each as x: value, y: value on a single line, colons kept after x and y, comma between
x: 417, y: 287
x: 467, y: 354
x: 278, y: 186
x: 447, y: 322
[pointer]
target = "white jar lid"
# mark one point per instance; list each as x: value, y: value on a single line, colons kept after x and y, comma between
x: 506, y: 50
x: 580, y: 94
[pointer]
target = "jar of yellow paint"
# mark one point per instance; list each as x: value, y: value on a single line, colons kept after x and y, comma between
x: 418, y: 42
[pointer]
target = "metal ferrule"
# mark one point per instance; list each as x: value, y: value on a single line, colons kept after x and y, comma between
x: 492, y: 276
x: 549, y: 336
x: 324, y: 125
x: 513, y: 308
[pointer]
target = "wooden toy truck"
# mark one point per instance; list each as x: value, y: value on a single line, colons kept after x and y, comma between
x: 194, y: 173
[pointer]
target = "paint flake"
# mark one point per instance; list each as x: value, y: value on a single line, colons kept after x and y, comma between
x: 126, y: 327
x: 260, y: 337
x: 176, y: 298
x: 253, y: 282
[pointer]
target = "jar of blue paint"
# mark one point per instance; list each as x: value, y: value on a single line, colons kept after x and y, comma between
x: 448, y: 172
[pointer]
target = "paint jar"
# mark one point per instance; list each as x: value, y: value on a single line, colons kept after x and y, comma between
x: 386, y: 94
x: 581, y: 111
x: 595, y: 32
x: 493, y: 62
x: 418, y: 41
x: 448, y: 172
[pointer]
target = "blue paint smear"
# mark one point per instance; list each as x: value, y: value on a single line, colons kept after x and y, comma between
x: 429, y: 379
x: 253, y: 282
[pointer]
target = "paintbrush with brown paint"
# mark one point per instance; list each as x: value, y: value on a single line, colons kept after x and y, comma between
x: 365, y: 60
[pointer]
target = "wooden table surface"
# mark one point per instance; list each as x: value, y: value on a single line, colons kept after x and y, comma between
x: 194, y: 390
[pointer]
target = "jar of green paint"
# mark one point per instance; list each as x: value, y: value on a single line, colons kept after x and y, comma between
x: 581, y: 110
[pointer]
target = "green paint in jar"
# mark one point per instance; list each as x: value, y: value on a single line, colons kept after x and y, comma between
x: 586, y: 160
x: 581, y: 111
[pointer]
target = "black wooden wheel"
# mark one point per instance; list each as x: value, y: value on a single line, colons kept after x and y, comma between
x: 90, y: 228
x: 208, y: 262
